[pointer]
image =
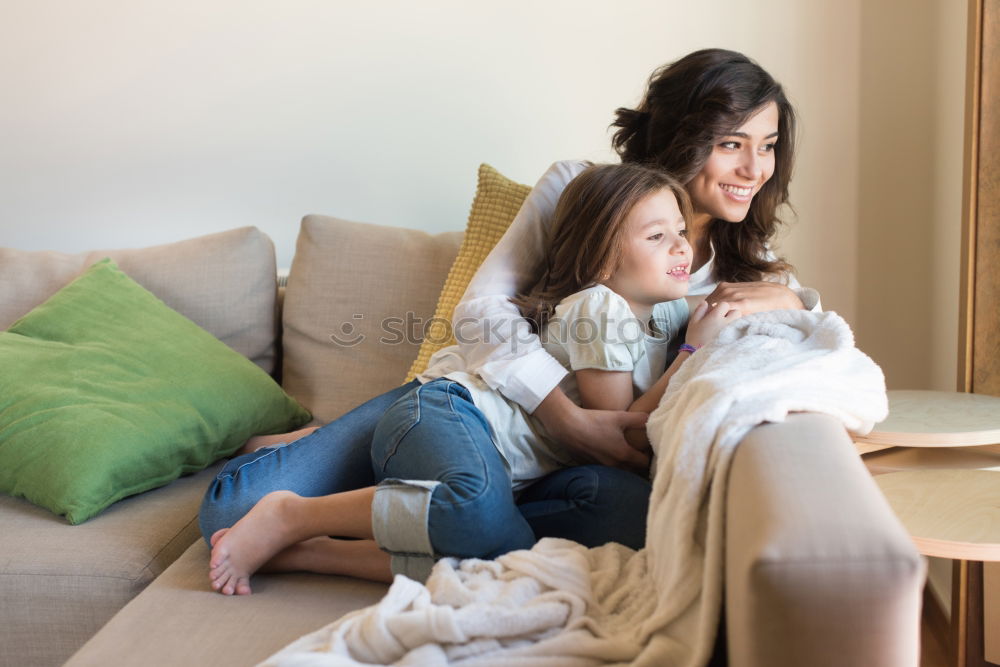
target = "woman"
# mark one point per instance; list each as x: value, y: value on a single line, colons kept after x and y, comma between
x: 724, y: 128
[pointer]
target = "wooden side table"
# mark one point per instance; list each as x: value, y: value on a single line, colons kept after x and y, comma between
x: 953, y: 514
x: 937, y: 419
x: 948, y: 499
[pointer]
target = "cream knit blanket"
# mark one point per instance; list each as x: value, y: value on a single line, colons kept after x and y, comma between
x: 563, y: 604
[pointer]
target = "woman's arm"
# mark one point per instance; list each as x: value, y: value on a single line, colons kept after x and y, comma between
x: 780, y: 291
x: 755, y: 297
x: 594, y: 435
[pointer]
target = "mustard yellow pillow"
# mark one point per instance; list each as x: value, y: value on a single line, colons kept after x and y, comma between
x: 497, y: 201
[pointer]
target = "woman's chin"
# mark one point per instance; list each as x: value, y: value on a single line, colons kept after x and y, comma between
x: 734, y: 213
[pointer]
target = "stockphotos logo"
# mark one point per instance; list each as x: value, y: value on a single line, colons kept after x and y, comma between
x: 412, y: 329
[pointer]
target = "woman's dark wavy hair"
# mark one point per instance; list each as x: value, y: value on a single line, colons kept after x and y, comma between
x: 689, y: 105
x: 588, y: 232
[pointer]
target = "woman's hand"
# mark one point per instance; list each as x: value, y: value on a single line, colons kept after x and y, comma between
x: 707, y: 321
x: 594, y: 435
x: 756, y: 297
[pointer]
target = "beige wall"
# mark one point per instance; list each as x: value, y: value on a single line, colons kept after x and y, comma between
x: 912, y: 87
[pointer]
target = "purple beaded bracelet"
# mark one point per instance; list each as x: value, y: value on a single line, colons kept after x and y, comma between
x: 685, y: 347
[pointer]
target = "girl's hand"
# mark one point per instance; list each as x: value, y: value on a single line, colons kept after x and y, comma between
x: 756, y: 297
x: 707, y: 321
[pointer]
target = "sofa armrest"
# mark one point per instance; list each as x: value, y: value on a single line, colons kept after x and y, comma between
x: 818, y: 569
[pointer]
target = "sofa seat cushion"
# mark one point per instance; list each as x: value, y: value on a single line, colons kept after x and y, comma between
x: 226, y: 283
x: 358, y: 299
x: 60, y: 583
x: 179, y: 620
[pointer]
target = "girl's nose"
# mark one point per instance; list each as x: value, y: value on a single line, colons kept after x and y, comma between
x: 680, y: 245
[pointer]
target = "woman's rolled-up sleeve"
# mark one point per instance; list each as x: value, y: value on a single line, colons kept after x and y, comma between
x: 495, y: 341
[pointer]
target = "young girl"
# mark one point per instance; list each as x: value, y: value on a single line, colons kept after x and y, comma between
x: 451, y: 455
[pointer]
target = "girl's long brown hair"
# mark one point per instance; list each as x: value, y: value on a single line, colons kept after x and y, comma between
x: 689, y: 105
x: 589, y: 232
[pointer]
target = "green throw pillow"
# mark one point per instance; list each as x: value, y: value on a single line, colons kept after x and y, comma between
x: 106, y: 392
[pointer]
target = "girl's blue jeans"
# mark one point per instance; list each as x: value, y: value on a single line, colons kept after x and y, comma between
x: 429, y: 447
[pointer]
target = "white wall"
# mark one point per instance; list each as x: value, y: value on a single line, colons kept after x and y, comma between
x: 127, y: 123
x: 134, y: 122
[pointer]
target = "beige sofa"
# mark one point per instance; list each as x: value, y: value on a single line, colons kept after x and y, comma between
x: 818, y: 571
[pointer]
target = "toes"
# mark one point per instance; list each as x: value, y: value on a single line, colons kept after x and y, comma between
x: 242, y: 586
x: 217, y: 535
x: 221, y: 582
x: 219, y: 557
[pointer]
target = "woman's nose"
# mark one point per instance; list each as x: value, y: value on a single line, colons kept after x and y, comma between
x: 750, y: 166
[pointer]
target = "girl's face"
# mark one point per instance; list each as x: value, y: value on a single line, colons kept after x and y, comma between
x: 737, y: 168
x: 656, y: 254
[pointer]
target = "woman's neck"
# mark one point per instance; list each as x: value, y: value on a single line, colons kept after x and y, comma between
x: 697, y: 230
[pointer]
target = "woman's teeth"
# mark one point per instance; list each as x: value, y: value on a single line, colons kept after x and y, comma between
x: 738, y: 191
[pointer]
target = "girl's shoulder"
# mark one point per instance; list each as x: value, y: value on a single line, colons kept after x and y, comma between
x: 592, y: 300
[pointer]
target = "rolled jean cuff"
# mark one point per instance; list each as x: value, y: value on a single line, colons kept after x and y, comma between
x: 417, y: 568
x: 399, y: 517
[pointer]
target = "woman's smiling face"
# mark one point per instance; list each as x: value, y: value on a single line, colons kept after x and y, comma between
x: 738, y: 166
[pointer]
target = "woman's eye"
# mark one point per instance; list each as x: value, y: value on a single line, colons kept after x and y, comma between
x: 655, y: 237
x: 767, y: 148
x: 683, y: 233
x: 730, y: 145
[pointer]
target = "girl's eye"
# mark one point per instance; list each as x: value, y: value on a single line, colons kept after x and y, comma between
x: 767, y: 148
x: 730, y: 145
x: 683, y: 233
x: 655, y: 237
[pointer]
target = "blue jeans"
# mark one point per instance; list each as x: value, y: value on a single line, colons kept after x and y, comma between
x: 589, y: 504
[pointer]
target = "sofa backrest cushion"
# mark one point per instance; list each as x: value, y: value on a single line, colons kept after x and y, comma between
x: 358, y: 299
x: 224, y: 282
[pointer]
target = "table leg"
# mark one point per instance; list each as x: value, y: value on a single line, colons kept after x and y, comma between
x: 967, y: 613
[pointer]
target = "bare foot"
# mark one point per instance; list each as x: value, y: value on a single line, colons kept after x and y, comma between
x: 260, y: 441
x: 240, y: 551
